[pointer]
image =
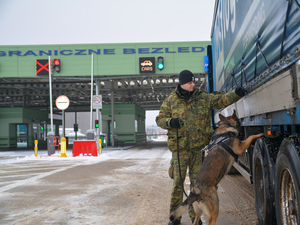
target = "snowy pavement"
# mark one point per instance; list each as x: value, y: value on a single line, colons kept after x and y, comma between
x: 117, y: 187
x: 77, y: 190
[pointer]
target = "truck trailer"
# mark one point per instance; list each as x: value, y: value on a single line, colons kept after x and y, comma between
x: 255, y: 44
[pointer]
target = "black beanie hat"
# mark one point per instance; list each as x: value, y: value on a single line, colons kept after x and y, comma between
x: 186, y: 76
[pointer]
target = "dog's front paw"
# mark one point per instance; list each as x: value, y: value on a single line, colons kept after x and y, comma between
x: 260, y: 135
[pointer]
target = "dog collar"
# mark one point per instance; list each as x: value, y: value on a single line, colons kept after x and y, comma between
x: 225, y: 125
x: 219, y: 137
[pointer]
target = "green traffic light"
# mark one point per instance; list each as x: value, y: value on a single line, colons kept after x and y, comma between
x: 160, y: 65
x: 42, y: 128
x: 96, y: 123
x: 160, y: 62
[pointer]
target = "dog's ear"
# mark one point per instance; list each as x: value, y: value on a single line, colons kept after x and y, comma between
x: 234, y: 114
x: 221, y: 117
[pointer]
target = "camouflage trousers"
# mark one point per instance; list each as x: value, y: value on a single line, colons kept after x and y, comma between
x: 191, y: 161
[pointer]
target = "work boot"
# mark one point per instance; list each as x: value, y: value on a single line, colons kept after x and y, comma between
x: 174, y: 222
x: 199, y: 222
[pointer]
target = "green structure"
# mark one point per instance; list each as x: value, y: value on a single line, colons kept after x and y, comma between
x: 24, y: 85
x: 109, y: 59
x: 129, y: 123
x: 21, y: 126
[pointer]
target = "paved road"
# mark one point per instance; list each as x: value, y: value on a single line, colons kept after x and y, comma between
x: 118, y: 187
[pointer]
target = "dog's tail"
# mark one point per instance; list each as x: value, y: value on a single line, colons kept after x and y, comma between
x: 183, y: 207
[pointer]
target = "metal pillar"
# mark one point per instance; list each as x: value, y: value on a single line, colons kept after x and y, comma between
x: 92, y: 87
x: 97, y: 114
x: 50, y: 94
x: 112, y: 117
x: 51, y: 133
x: 63, y: 123
x: 90, y: 132
x: 75, y: 123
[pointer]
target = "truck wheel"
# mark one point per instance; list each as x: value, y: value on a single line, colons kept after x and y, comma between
x: 287, y: 184
x: 263, y: 182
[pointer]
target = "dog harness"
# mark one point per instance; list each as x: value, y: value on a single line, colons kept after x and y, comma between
x: 229, y: 150
x: 220, y: 141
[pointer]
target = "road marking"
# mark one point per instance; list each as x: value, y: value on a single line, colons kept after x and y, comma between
x: 32, y: 179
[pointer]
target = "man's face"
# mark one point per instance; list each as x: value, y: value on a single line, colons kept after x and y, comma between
x: 190, y: 86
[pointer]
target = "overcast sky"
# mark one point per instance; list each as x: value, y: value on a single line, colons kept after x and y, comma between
x: 33, y: 22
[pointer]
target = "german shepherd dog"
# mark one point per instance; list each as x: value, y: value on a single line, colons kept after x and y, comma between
x: 216, y: 164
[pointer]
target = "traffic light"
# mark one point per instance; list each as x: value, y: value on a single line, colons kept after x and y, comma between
x: 75, y: 127
x: 56, y: 65
x: 96, y: 123
x: 160, y: 62
x: 41, y: 126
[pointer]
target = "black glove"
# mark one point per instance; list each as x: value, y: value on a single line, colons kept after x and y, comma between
x: 240, y: 91
x: 176, y: 123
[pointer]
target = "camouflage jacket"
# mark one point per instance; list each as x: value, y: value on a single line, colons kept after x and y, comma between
x: 195, y: 113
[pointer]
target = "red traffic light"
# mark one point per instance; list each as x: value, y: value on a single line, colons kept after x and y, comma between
x: 56, y: 65
x: 56, y: 61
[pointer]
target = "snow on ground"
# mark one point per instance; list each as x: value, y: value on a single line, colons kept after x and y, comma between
x: 24, y: 159
x: 120, y: 186
x: 59, y: 164
x: 7, y: 157
x: 85, y: 189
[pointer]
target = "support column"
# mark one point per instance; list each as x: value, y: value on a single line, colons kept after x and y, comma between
x: 63, y: 123
x: 97, y: 114
x: 90, y: 132
x: 112, y: 116
x: 77, y: 125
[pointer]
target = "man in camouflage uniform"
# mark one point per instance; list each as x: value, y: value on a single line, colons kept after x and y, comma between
x: 188, y: 110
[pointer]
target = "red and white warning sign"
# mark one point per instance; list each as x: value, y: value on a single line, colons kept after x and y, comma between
x: 97, y: 101
x: 62, y: 102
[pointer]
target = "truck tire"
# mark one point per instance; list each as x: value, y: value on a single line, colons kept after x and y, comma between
x: 263, y: 183
x: 287, y: 183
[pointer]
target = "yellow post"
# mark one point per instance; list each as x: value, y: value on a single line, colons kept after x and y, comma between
x: 100, y: 146
x: 63, y: 147
x: 36, y: 148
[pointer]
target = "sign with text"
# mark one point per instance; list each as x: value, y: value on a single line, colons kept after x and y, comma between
x: 147, y: 65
